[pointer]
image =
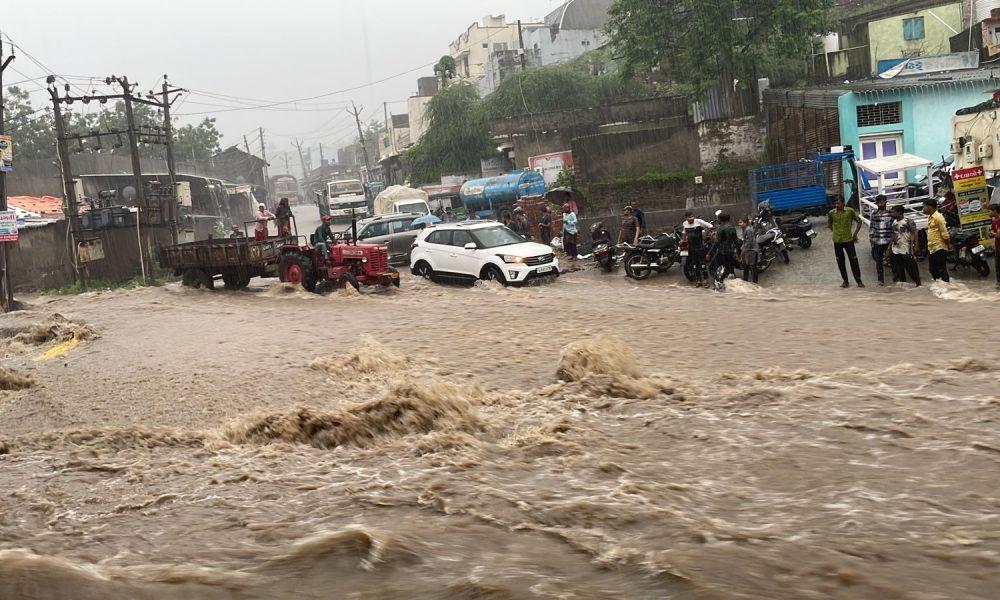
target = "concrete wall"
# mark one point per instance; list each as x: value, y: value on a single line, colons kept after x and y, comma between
x: 886, y: 35
x: 41, y: 259
x: 628, y: 153
x: 478, y: 42
x: 416, y: 106
x: 738, y: 140
x: 730, y: 191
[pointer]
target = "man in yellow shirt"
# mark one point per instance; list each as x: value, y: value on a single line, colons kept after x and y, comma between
x: 938, y: 241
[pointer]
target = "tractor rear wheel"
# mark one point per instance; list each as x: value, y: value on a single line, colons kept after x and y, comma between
x: 297, y: 269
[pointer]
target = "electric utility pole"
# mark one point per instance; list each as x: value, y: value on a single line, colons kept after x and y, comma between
x: 302, y: 160
x: 69, y: 187
x: 6, y: 287
x: 171, y: 164
x: 361, y: 137
x: 520, y: 39
x: 263, y: 156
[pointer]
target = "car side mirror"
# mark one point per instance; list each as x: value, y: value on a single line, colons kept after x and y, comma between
x: 471, y: 246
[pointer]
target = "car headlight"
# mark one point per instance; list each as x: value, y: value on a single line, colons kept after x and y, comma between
x: 511, y: 260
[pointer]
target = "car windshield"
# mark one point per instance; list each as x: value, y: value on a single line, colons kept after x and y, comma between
x: 494, y: 237
x: 418, y: 208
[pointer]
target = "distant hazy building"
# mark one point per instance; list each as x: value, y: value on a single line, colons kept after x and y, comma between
x: 473, y: 48
x: 569, y: 31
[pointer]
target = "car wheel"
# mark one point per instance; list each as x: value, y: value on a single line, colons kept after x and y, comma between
x: 422, y: 269
x: 493, y: 273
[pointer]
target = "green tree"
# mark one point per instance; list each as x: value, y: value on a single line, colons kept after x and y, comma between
x: 457, y: 136
x: 30, y: 128
x: 445, y: 69
x: 200, y: 141
x: 581, y: 83
x: 698, y: 42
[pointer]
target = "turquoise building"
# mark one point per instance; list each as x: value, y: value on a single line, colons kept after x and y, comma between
x: 910, y: 115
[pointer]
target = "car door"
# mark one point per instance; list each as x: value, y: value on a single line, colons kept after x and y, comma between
x: 466, y: 262
x: 400, y: 239
x: 437, y: 248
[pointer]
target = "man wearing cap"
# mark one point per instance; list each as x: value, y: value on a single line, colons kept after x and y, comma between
x: 880, y: 234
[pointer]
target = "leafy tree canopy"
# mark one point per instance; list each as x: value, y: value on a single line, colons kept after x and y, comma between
x: 33, y: 129
x: 457, y: 136
x: 697, y: 42
x: 445, y: 69
x: 585, y: 82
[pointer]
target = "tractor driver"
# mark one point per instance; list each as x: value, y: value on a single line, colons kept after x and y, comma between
x: 323, y: 237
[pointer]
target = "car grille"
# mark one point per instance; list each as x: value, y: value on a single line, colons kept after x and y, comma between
x: 535, y: 261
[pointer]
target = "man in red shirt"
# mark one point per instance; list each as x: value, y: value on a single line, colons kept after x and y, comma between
x: 995, y: 234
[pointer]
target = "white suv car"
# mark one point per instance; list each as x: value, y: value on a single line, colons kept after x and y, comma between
x: 480, y: 250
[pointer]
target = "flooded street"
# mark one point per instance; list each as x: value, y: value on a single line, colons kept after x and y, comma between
x: 592, y: 438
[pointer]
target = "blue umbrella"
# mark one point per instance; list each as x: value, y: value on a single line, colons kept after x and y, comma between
x: 425, y: 220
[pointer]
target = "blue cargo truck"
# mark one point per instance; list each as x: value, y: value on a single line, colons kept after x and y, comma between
x: 494, y: 197
x: 802, y: 185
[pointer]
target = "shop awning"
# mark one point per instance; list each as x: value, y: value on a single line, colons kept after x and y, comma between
x: 894, y: 164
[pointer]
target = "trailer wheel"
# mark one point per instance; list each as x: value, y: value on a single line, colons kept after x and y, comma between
x: 202, y: 279
x: 189, y: 277
x: 231, y: 278
x: 296, y: 268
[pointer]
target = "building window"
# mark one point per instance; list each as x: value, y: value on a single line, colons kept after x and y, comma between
x: 913, y: 29
x: 884, y: 113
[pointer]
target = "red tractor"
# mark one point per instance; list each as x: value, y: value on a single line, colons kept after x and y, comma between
x: 345, y: 263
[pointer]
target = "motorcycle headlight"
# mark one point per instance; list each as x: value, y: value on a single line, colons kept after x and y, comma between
x: 510, y: 259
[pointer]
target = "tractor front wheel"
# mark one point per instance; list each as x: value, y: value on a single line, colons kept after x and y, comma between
x: 297, y: 269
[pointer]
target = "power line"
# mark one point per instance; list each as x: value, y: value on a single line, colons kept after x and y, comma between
x: 318, y: 96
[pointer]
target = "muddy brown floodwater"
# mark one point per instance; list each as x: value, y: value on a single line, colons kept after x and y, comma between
x: 593, y: 438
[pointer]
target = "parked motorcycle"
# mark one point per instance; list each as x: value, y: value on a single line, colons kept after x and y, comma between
x: 604, y: 250
x: 968, y: 251
x: 771, y: 242
x: 651, y: 254
x: 797, y: 229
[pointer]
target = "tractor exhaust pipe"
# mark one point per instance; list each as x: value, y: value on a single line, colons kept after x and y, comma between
x: 354, y: 228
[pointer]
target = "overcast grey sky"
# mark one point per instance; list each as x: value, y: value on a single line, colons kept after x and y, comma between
x: 277, y: 50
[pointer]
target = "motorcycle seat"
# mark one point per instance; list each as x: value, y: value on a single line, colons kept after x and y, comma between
x: 766, y: 238
x: 657, y: 244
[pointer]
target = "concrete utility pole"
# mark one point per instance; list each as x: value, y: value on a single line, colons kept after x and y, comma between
x: 263, y: 156
x: 171, y: 164
x: 246, y: 144
x: 6, y: 287
x: 69, y: 188
x: 321, y: 157
x: 520, y: 39
x: 361, y: 137
x: 288, y: 169
x: 302, y: 160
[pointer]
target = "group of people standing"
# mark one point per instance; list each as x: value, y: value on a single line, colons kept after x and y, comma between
x: 282, y: 215
x: 895, y: 239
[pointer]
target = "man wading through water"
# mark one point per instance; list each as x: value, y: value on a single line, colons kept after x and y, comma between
x: 840, y: 219
x: 880, y: 234
x: 938, y: 241
x: 695, y: 230
x: 724, y: 250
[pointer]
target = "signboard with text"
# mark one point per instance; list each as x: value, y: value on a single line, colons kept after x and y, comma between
x: 8, y: 226
x: 6, y: 154
x: 972, y: 197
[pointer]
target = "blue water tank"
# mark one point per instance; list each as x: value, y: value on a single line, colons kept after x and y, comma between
x: 504, y: 189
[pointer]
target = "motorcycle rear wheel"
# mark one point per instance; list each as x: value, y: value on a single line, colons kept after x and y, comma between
x: 637, y: 273
x: 805, y: 242
x: 982, y: 267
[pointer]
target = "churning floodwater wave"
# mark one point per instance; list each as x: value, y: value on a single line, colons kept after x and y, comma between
x: 610, y: 480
